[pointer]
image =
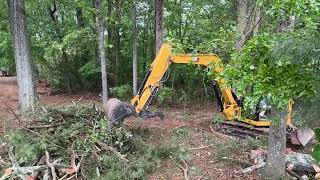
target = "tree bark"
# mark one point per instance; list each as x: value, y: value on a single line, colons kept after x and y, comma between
x: 242, y: 8
x: 159, y: 23
x: 117, y: 40
x: 102, y: 54
x: 276, y: 161
x: 22, y: 54
x: 110, y: 35
x: 134, y: 49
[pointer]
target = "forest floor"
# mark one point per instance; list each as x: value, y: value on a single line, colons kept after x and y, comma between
x: 209, y: 156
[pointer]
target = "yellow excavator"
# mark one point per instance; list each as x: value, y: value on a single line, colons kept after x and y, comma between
x: 227, y: 100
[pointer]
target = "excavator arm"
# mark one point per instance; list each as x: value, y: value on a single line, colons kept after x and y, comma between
x: 229, y: 103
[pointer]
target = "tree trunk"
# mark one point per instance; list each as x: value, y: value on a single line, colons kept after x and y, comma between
x: 242, y: 8
x: 110, y: 36
x: 275, y: 165
x: 102, y: 54
x: 134, y: 49
x: 22, y: 54
x: 158, y: 23
x: 117, y: 37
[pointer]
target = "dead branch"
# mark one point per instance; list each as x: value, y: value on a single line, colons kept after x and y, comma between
x: 51, y: 165
x: 114, y: 150
x: 44, y: 126
x: 291, y: 173
x: 260, y: 163
x: 177, y: 127
x: 219, y: 134
x: 185, y: 169
x: 254, y: 167
x: 12, y: 158
x: 201, y: 147
x: 15, y: 115
x: 74, y: 167
x: 22, y: 172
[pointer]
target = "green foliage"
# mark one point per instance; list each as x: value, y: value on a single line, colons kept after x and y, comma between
x: 91, y: 75
x: 123, y: 92
x: 182, y: 133
x: 270, y: 74
x: 316, y: 150
x: 218, y: 118
x: 167, y: 96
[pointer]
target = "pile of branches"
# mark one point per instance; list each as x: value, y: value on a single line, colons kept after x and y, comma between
x: 73, y: 141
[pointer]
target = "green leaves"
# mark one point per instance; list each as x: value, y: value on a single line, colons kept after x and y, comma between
x: 269, y: 72
x: 316, y: 149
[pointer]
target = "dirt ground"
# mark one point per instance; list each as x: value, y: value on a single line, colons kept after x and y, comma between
x: 211, y: 157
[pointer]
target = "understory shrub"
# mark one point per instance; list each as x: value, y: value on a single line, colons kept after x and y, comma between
x: 123, y: 92
x: 167, y: 96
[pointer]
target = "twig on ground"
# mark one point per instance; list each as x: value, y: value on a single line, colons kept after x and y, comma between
x: 34, y: 132
x: 201, y: 147
x: 291, y: 173
x: 15, y: 115
x: 219, y: 134
x: 260, y: 163
x: 22, y: 172
x: 177, y: 127
x: 44, y: 126
x: 51, y: 165
x: 114, y: 150
x: 12, y: 158
x: 185, y: 170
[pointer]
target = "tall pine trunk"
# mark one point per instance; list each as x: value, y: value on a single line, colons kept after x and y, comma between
x: 102, y: 54
x: 134, y: 49
x: 159, y: 23
x: 22, y: 54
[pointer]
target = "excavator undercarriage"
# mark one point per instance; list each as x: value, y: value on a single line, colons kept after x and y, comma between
x: 229, y: 104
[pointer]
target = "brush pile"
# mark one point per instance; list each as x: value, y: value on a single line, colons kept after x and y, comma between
x: 76, y: 142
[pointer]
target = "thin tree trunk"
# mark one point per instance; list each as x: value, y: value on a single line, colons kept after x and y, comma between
x: 22, y: 54
x: 134, y: 49
x: 117, y: 37
x: 110, y: 35
x: 159, y: 23
x: 102, y: 54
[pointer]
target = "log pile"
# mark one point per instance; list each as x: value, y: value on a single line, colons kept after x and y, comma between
x: 298, y: 165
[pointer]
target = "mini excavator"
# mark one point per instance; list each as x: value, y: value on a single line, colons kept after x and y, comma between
x: 230, y: 105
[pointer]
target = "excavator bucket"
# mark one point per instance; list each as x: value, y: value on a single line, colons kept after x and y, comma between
x: 301, y: 136
x: 116, y: 111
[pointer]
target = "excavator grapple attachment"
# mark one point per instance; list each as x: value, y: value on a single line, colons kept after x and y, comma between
x: 116, y: 110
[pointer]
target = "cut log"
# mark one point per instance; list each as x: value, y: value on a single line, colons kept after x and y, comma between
x: 297, y: 162
x: 301, y: 162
